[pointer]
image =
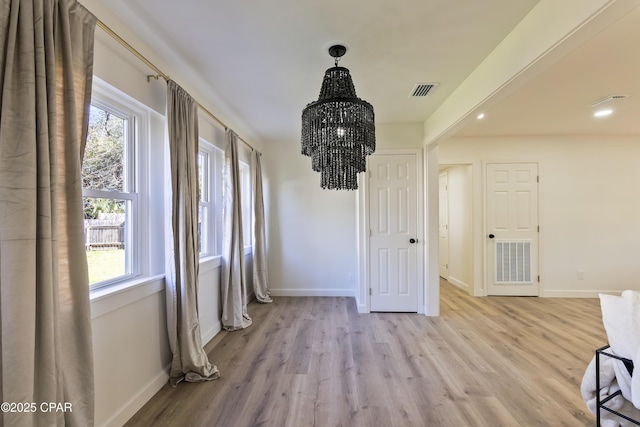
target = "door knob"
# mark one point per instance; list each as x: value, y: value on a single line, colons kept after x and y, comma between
x: 491, y: 236
x: 413, y: 240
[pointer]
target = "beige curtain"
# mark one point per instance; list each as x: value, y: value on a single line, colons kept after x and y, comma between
x: 190, y: 362
x: 233, y: 283
x: 260, y: 277
x: 46, y: 66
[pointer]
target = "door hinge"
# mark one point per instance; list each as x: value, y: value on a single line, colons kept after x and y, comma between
x: 538, y: 229
x: 370, y: 232
x: 538, y: 178
x: 538, y: 279
x: 370, y: 291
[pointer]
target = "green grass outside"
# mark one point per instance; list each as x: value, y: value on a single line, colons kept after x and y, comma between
x: 105, y: 265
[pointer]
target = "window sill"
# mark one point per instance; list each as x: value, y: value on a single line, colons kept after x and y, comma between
x: 111, y: 298
x: 214, y: 261
x: 210, y: 263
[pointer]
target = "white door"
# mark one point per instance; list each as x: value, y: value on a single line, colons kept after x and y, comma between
x: 443, y: 227
x: 393, y: 245
x: 512, y: 229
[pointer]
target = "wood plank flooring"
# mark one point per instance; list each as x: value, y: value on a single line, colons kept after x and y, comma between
x: 494, y: 361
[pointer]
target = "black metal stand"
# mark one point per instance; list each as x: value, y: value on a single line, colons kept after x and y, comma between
x: 600, y: 404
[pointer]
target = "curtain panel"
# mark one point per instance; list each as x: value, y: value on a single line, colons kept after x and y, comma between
x: 46, y: 69
x: 190, y: 362
x: 233, y: 287
x: 260, y: 277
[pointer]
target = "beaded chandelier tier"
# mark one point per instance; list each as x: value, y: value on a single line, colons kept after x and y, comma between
x: 338, y: 129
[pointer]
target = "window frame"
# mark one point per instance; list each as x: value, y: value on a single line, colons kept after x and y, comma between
x: 135, y: 188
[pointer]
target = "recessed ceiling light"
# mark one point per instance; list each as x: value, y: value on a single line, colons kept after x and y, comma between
x: 480, y: 116
x: 602, y: 113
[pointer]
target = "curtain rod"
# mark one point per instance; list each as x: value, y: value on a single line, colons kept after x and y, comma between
x: 159, y: 72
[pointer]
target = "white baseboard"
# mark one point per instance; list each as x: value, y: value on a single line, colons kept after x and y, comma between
x: 211, y: 332
x: 313, y: 292
x: 459, y: 283
x: 139, y: 400
x: 362, y: 308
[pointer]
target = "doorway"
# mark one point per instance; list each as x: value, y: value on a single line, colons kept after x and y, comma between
x: 455, y: 228
x: 512, y: 229
x: 443, y: 224
x: 391, y: 232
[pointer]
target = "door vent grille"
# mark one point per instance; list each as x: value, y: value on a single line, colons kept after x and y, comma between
x: 513, y: 262
x: 423, y: 89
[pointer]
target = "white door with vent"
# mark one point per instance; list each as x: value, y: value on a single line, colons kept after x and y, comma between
x: 512, y: 229
x: 393, y: 243
x: 443, y: 224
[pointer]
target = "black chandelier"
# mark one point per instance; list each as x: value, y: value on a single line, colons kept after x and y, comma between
x: 338, y: 129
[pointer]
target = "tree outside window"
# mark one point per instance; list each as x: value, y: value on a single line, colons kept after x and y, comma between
x: 108, y: 195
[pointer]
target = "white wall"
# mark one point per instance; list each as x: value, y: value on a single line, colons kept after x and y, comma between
x: 313, y: 232
x: 589, y: 205
x: 131, y: 351
x: 399, y: 135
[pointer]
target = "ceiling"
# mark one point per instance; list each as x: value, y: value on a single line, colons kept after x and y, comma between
x: 557, y: 101
x: 263, y: 61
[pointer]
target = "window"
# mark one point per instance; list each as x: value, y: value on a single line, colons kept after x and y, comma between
x: 209, y: 199
x: 123, y: 190
x: 203, y: 202
x: 246, y: 203
x: 110, y: 197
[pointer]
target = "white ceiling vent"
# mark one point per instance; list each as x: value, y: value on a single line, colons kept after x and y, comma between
x: 609, y: 98
x: 423, y: 89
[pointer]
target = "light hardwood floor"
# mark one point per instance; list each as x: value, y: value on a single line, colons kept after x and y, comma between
x: 494, y: 361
